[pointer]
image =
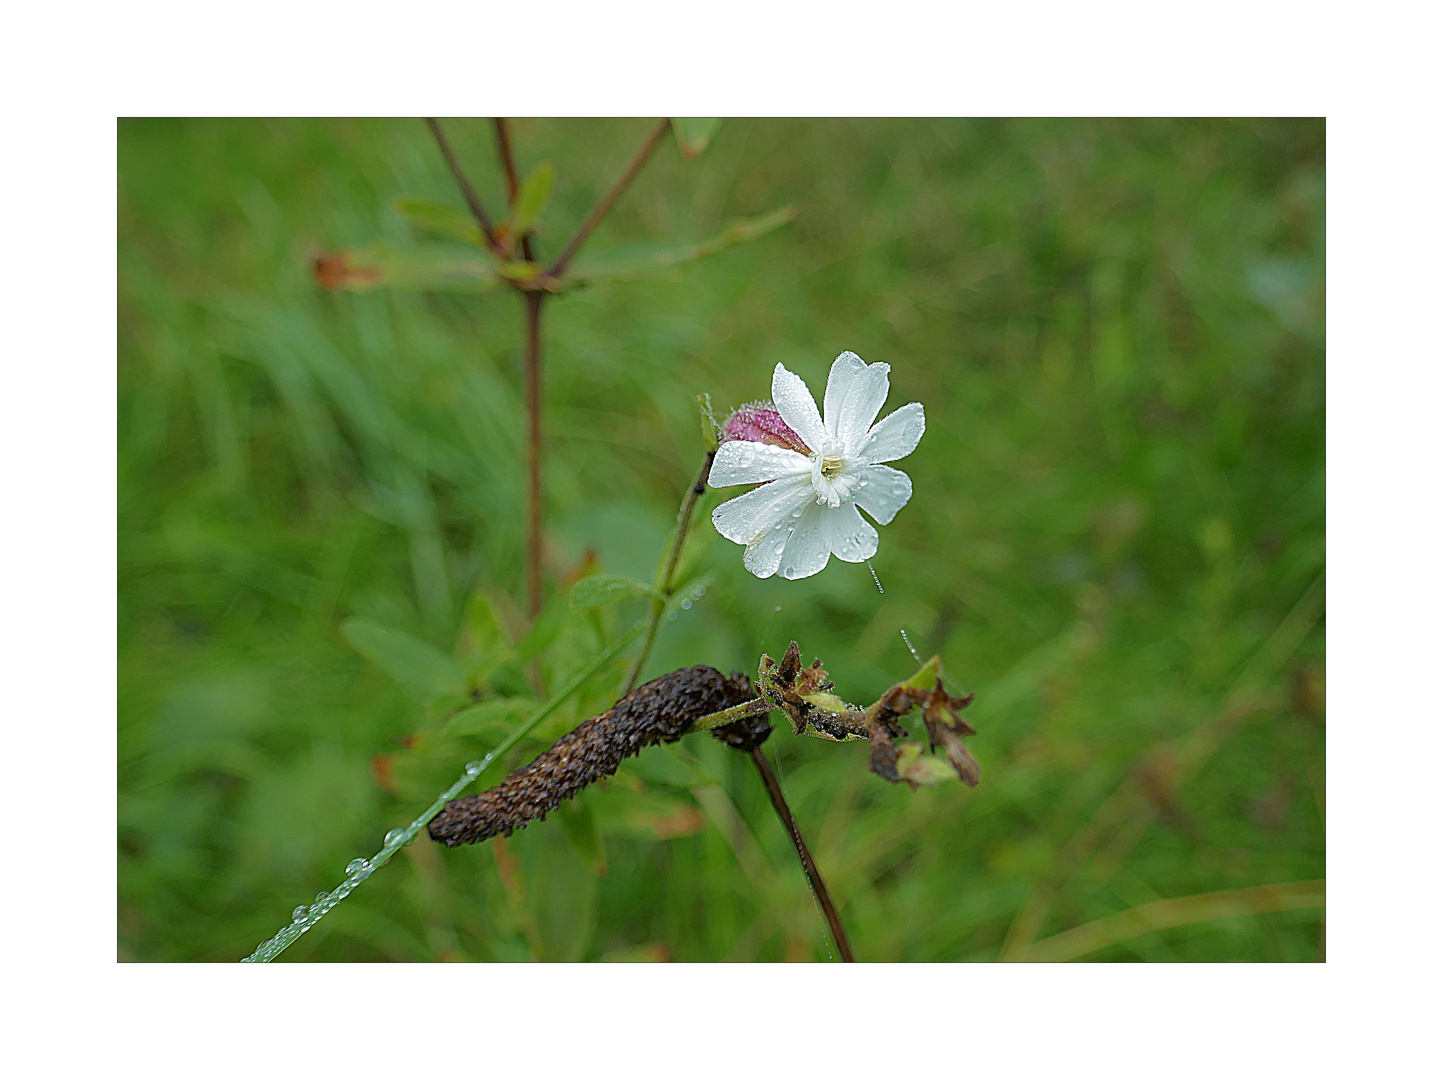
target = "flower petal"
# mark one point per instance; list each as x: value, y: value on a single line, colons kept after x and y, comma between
x: 845, y: 369
x: 807, y: 545
x: 855, y: 392
x: 849, y: 536
x: 799, y: 409
x: 741, y: 462
x: 881, y: 491
x: 747, y: 517
x: 895, y: 437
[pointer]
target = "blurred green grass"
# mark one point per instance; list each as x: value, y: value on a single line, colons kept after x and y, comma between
x: 1117, y: 537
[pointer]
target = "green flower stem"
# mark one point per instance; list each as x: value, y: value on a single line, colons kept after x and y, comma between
x: 755, y: 707
x: 665, y: 578
x: 399, y: 838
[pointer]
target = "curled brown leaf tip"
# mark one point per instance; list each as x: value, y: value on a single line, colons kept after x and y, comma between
x: 339, y: 270
x: 941, y: 714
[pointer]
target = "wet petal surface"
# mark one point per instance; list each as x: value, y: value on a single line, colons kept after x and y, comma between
x: 895, y: 437
x: 741, y: 462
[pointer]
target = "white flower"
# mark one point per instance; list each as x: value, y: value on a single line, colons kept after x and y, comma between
x: 806, y: 508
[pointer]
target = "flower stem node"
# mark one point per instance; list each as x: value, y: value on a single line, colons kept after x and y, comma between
x: 816, y: 470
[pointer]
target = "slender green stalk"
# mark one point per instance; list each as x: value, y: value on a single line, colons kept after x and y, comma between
x: 665, y: 583
x: 755, y: 707
x: 360, y: 869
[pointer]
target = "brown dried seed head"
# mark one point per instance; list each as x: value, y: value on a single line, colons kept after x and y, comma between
x: 662, y: 710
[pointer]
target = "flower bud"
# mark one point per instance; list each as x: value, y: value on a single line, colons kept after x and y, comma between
x: 759, y: 421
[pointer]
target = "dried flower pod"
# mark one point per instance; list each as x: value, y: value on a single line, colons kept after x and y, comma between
x: 745, y: 734
x: 660, y: 711
x: 941, y: 713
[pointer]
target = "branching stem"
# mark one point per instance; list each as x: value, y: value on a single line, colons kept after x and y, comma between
x: 508, y: 164
x: 599, y: 211
x: 467, y: 191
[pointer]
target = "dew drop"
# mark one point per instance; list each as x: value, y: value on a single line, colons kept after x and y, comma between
x: 321, y: 897
x: 876, y: 578
x: 671, y: 616
x: 908, y: 642
x: 686, y: 604
x: 777, y: 608
x: 355, y: 866
x: 299, y: 913
x: 394, y: 837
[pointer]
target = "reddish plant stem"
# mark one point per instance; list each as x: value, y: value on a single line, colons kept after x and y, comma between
x: 467, y: 191
x: 508, y: 163
x: 533, y: 452
x: 819, y: 887
x: 600, y: 210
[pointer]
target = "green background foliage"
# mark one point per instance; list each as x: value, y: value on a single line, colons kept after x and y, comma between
x: 1116, y: 541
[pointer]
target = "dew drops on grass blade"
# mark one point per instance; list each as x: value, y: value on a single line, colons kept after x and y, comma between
x: 908, y: 642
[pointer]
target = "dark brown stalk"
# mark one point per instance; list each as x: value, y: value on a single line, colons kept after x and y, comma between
x: 508, y: 163
x: 599, y: 211
x: 467, y: 191
x: 533, y: 453
x: 819, y: 887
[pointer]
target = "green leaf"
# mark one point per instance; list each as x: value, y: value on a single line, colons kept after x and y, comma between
x: 531, y: 198
x: 423, y: 268
x: 579, y: 825
x: 922, y: 768
x: 490, y: 717
x: 926, y: 676
x: 544, y: 630
x: 439, y: 218
x: 422, y: 670
x: 694, y: 133
x: 647, y: 260
x: 519, y: 270
x: 598, y: 590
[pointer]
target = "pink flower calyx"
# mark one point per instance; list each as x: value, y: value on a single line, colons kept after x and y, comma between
x: 759, y: 421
